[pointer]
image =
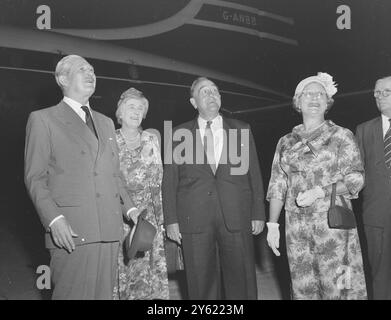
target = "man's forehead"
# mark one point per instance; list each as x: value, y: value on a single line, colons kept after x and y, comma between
x: 386, y: 82
x: 78, y: 61
x: 205, y: 84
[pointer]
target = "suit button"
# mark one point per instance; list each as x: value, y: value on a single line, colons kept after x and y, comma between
x: 95, y: 174
x: 83, y: 152
x: 209, y: 193
x: 98, y: 195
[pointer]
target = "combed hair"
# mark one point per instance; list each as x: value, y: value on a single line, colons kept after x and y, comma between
x: 64, y: 66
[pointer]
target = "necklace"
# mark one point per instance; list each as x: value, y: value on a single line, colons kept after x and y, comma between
x: 132, y: 142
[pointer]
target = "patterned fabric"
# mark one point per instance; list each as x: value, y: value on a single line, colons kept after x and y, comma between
x: 324, y: 263
x: 144, y: 277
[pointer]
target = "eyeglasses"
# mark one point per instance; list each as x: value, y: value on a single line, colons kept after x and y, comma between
x: 316, y: 94
x: 209, y: 91
x: 384, y: 93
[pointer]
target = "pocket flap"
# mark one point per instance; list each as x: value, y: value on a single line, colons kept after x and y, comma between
x: 68, y: 201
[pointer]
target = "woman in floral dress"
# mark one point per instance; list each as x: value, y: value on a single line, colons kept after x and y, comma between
x: 144, y: 277
x: 324, y: 263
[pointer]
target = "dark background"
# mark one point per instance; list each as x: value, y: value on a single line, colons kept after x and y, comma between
x: 355, y: 58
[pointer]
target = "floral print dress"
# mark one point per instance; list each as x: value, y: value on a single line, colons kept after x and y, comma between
x: 146, y: 276
x: 324, y: 263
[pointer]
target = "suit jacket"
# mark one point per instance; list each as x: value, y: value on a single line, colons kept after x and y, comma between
x: 70, y: 172
x: 191, y: 192
x: 377, y: 189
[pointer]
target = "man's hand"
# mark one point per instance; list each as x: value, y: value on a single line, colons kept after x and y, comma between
x: 257, y: 226
x: 63, y: 234
x: 173, y: 233
x: 273, y: 237
x: 307, y: 198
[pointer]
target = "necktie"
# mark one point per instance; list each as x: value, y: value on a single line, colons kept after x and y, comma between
x: 209, y: 146
x: 387, y: 147
x: 89, y: 121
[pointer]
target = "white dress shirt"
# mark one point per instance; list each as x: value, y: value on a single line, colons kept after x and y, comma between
x: 218, y: 135
x: 385, y: 124
x: 76, y: 106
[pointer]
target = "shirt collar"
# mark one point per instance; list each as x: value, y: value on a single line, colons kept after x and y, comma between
x: 385, y: 122
x: 76, y: 106
x: 217, y: 121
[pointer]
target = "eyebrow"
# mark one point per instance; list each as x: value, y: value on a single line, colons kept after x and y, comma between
x: 205, y: 86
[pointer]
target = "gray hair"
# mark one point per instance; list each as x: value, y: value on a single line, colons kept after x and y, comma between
x: 131, y: 93
x: 64, y: 66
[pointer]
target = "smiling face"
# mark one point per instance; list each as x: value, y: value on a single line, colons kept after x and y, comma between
x: 206, y: 99
x: 313, y: 100
x: 132, y: 112
x: 382, y: 88
x: 79, y: 83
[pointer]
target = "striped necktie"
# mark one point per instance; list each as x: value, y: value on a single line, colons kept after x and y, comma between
x: 89, y: 121
x: 387, y: 147
x: 209, y: 146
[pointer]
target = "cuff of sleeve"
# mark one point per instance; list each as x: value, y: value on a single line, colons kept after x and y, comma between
x: 54, y: 220
x: 271, y: 225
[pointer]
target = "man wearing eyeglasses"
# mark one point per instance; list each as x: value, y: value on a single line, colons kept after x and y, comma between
x: 210, y: 205
x: 374, y: 139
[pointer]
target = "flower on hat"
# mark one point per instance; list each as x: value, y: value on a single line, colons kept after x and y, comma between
x: 323, y: 79
x: 328, y: 83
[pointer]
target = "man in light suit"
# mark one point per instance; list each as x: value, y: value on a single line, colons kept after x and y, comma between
x: 72, y: 175
x: 374, y: 139
x: 212, y: 202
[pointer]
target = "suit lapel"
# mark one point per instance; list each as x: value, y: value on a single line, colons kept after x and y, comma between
x: 77, y: 128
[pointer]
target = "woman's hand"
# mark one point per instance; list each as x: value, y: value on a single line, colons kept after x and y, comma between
x: 307, y: 198
x: 273, y: 237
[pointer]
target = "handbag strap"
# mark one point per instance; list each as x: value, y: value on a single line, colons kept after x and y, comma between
x: 334, y: 196
x: 344, y: 202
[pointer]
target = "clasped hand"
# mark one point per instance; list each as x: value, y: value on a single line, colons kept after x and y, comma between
x: 307, y: 198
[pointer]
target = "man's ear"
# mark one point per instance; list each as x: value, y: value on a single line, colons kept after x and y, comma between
x: 192, y: 101
x: 63, y: 80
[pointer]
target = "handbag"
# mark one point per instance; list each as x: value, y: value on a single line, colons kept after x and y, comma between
x: 340, y: 217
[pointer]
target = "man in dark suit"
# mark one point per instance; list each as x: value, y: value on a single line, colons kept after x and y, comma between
x: 72, y: 175
x: 212, y: 200
x: 374, y: 139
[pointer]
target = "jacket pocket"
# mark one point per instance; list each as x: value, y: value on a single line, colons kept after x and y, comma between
x: 68, y: 201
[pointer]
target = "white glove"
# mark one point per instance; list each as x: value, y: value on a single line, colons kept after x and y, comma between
x: 273, y: 237
x: 307, y: 198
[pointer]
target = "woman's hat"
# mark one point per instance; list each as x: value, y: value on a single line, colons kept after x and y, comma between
x: 140, y: 237
x: 324, y: 79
